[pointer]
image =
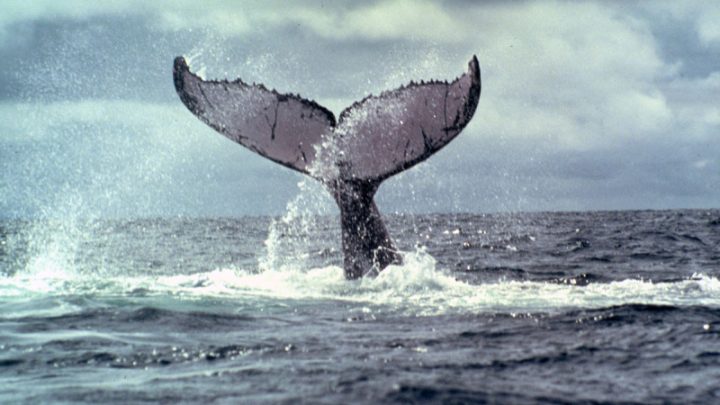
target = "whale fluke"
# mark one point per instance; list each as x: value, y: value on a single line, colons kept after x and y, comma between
x: 371, y: 140
x: 282, y: 127
x: 386, y: 134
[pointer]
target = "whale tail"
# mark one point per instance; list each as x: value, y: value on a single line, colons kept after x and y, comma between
x: 372, y: 140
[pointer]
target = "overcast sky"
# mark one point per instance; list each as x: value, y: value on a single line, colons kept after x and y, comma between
x: 584, y: 106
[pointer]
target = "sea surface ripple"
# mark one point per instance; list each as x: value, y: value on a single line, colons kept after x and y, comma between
x: 600, y: 307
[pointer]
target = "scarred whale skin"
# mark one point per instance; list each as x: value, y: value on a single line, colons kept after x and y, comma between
x: 372, y: 140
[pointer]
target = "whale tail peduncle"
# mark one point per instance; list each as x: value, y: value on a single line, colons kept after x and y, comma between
x: 367, y: 246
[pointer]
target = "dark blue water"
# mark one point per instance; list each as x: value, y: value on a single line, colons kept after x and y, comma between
x: 525, y: 308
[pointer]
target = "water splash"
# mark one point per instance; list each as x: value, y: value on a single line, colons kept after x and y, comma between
x: 289, y: 245
x: 416, y: 288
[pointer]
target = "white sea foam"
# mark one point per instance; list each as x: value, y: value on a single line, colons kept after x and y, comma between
x: 417, y: 287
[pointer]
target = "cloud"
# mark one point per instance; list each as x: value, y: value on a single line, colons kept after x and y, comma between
x: 707, y: 25
x: 18, y: 12
x: 336, y: 21
x: 580, y: 75
x: 394, y: 19
x: 704, y: 16
x: 695, y: 109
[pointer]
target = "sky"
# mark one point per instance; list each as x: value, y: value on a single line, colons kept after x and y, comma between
x: 585, y: 105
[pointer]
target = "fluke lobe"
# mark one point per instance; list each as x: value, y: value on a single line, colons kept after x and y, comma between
x: 372, y: 140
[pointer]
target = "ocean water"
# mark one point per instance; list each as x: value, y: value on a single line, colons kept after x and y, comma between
x: 620, y: 307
